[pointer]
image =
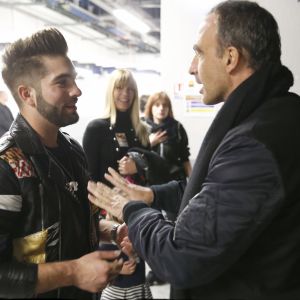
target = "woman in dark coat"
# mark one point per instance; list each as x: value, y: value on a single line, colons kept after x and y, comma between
x: 107, y: 143
x: 168, y: 137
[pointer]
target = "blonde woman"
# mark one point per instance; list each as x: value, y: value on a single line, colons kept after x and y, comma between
x: 107, y: 142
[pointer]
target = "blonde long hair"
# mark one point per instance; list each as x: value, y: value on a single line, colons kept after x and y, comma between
x: 121, y: 78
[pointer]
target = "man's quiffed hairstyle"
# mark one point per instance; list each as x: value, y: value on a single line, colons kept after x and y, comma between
x: 22, y: 59
x: 250, y: 28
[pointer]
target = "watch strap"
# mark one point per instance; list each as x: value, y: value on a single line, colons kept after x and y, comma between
x: 113, y: 233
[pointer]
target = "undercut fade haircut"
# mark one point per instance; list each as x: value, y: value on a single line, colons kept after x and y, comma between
x: 251, y: 29
x: 22, y: 60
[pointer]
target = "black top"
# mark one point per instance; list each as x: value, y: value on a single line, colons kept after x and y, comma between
x: 104, y: 144
x: 6, y: 118
x: 174, y: 149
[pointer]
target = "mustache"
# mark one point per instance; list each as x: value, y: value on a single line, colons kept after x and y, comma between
x: 73, y: 101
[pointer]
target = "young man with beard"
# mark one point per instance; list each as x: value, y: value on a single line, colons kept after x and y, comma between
x: 237, y: 232
x: 47, y: 226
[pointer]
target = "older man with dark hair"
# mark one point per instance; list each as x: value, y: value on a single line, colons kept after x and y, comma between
x: 237, y: 232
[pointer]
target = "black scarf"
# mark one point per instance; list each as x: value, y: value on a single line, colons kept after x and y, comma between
x: 123, y: 120
x: 271, y: 80
x: 168, y: 124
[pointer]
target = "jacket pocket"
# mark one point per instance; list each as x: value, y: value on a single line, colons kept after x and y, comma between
x: 197, y: 222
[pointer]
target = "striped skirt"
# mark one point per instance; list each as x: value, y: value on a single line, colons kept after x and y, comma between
x: 141, y: 291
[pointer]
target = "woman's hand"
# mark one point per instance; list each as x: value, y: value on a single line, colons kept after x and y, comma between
x: 127, y: 166
x: 157, y: 137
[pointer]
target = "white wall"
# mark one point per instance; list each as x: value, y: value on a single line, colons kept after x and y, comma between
x: 179, y: 24
x: 15, y: 24
x: 287, y: 14
x: 91, y: 103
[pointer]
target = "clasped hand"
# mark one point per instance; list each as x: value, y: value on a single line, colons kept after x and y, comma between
x: 127, y: 166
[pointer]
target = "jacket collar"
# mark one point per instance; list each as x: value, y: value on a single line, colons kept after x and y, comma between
x: 27, y: 138
x: 46, y: 167
x: 272, y: 80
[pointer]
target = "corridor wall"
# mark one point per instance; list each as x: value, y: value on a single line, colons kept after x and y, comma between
x: 179, y: 26
x: 15, y: 24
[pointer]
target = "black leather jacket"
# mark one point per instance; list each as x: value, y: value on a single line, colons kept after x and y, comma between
x: 44, y: 212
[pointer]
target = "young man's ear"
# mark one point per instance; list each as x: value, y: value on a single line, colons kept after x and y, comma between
x: 27, y: 95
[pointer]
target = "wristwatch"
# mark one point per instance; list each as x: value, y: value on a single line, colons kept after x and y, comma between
x: 113, y: 233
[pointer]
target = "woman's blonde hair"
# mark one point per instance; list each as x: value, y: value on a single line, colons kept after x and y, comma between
x: 121, y: 78
x: 153, y: 99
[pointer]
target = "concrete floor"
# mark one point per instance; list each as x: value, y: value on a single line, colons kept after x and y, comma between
x: 160, y: 291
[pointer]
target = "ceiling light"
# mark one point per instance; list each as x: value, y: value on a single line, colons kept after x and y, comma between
x: 131, y: 21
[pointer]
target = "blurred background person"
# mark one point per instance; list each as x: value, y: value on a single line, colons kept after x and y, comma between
x: 6, y: 116
x: 120, y: 139
x: 107, y: 142
x: 169, y: 139
x: 143, y: 102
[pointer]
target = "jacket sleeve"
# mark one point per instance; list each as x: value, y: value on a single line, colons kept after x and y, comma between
x: 241, y: 194
x: 17, y: 280
x: 156, y: 170
x: 92, y: 140
x: 184, y: 150
x: 168, y: 196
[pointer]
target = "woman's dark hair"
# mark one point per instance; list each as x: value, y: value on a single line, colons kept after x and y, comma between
x: 248, y: 27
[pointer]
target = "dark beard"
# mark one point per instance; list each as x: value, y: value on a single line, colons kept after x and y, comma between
x: 52, y: 114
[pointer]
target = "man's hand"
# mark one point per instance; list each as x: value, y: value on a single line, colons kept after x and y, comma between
x: 129, y: 267
x: 129, y: 190
x: 109, y: 199
x: 122, y: 234
x: 92, y: 272
x: 105, y: 227
x: 127, y: 247
x: 113, y: 200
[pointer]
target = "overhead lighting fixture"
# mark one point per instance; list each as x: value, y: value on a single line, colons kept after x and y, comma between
x: 130, y: 20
